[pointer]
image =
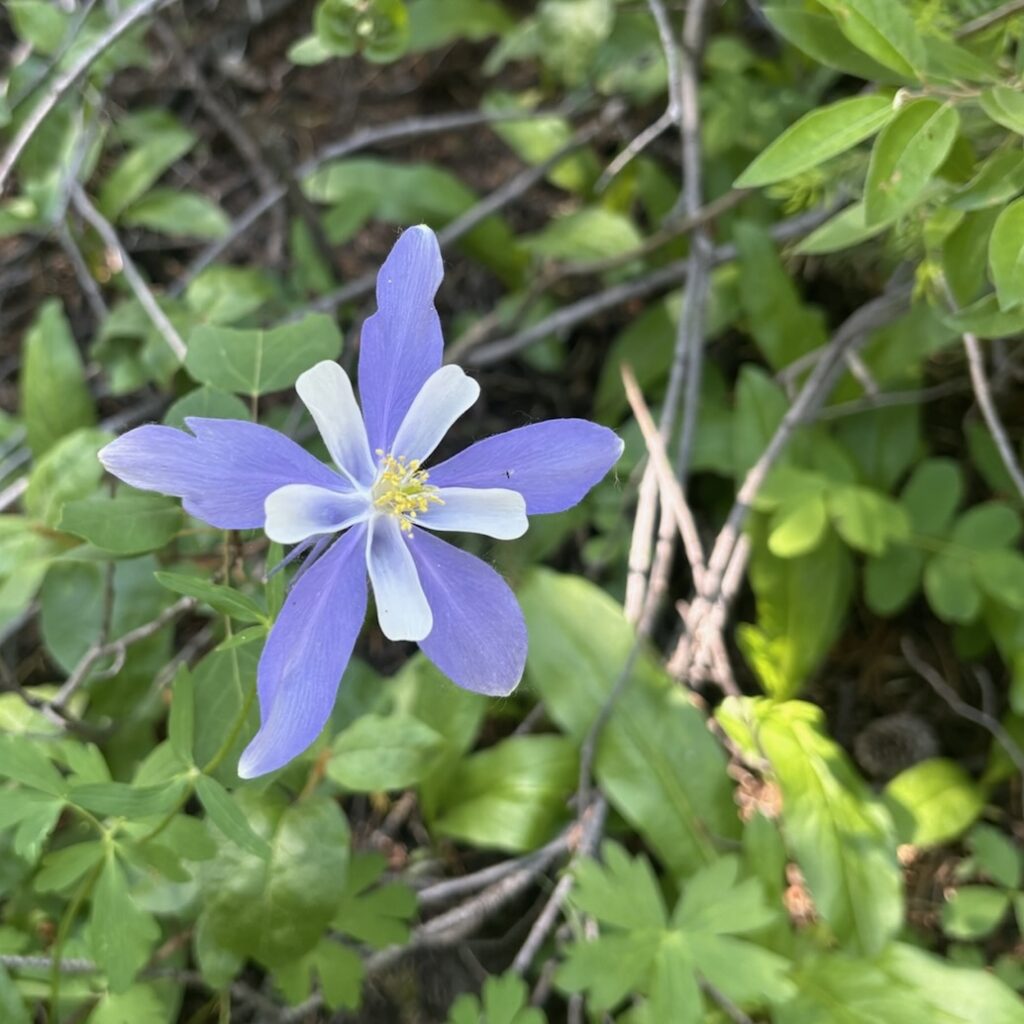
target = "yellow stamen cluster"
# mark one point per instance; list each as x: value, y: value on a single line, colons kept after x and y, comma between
x: 402, y: 489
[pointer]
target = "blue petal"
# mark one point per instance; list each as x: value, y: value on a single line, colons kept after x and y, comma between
x: 306, y: 655
x: 400, y: 345
x: 479, y: 636
x: 224, y: 473
x: 552, y: 464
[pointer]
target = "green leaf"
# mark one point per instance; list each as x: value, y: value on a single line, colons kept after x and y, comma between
x: 781, y: 324
x: 974, y: 911
x: 801, y: 605
x: 120, y: 933
x: 226, y: 295
x: 999, y: 179
x: 511, y: 796
x: 341, y: 974
x: 178, y: 214
x: 224, y: 682
x: 933, y: 802
x: 505, y: 1001
x: 380, y: 752
x: 128, y: 524
x: 142, y: 165
x: 1000, y: 574
x: 950, y: 588
x: 228, y: 817
x: 378, y: 915
x: 140, y: 1004
x: 996, y: 856
x: 867, y: 520
x: 589, y: 234
x: 1005, y: 106
x: 255, y: 362
x: 23, y: 761
x: 892, y: 579
x: 436, y: 23
x: 817, y: 137
x: 119, y: 799
x: 223, y: 599
x: 206, y: 402
x: 991, y: 526
x: 819, y: 37
x: 181, y: 722
x: 277, y: 910
x: 1006, y: 256
x: 54, y: 397
x: 932, y: 495
x: 39, y: 24
x: 622, y: 892
x: 610, y: 967
x: 798, y: 528
x: 67, y: 471
x: 61, y: 869
x: 840, y: 834
x: 882, y: 29
x: 657, y: 762
x: 909, y: 150
x: 140, y: 168
x: 846, y: 229
x: 12, y: 1008
x: 986, y: 319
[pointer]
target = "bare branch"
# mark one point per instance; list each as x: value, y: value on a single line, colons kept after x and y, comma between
x: 987, y: 722
x: 141, y: 290
x: 60, y: 86
x: 990, y: 18
x: 983, y: 395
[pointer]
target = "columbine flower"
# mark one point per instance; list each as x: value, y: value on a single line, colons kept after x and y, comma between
x: 373, y: 513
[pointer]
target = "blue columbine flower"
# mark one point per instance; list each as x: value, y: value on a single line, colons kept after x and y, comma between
x: 376, y: 508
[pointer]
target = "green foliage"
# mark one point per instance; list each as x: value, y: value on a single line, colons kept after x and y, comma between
x: 873, y: 144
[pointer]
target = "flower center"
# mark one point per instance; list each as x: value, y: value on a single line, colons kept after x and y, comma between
x: 402, y: 490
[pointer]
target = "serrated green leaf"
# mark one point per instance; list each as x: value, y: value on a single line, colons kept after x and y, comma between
x: 119, y: 799
x: 24, y: 762
x: 376, y: 915
x: 622, y: 892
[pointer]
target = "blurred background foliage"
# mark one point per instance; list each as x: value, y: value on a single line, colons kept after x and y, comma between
x: 774, y: 778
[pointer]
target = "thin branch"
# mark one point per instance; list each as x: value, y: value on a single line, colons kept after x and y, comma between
x: 141, y: 290
x: 984, y: 21
x: 465, y: 222
x: 671, y: 275
x: 981, y: 718
x: 672, y: 492
x: 590, y: 834
x: 363, y: 138
x: 116, y: 649
x: 63, y: 83
x: 983, y: 395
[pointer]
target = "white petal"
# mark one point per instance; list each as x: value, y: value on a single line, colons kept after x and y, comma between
x: 492, y: 511
x: 402, y: 608
x: 326, y: 392
x: 297, y: 511
x: 445, y: 396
